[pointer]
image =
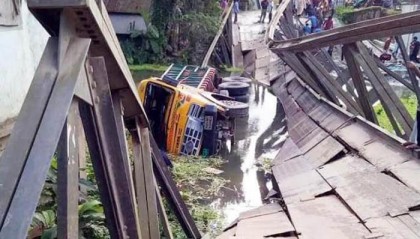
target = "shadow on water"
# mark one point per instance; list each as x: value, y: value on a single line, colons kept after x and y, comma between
x: 258, y: 136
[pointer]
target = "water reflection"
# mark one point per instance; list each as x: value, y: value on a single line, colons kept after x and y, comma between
x: 259, y: 135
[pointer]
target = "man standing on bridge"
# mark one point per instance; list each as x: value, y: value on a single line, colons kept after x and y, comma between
x: 264, y: 6
x: 414, y: 47
x: 236, y: 10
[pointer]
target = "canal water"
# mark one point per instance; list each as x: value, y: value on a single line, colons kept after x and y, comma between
x: 257, y: 137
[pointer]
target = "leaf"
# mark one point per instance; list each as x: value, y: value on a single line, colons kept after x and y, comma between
x: 152, y: 31
x: 49, y: 217
x: 89, y: 207
x: 155, y: 47
x: 50, y: 233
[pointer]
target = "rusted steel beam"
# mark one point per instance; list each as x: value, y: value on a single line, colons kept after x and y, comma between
x: 359, y: 83
x: 25, y: 129
x: 168, y: 186
x: 92, y: 21
x: 114, y: 152
x: 99, y: 167
x: 30, y: 183
x: 68, y: 176
x: 371, y: 29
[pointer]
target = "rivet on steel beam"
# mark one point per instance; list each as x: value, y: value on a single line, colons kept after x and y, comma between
x: 90, y: 69
x: 96, y: 100
x: 93, y: 84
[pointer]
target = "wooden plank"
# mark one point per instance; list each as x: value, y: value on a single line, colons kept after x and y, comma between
x: 372, y: 29
x: 325, y: 217
x: 332, y: 83
x: 24, y: 131
x: 359, y: 83
x: 401, y: 108
x: 224, y: 45
x: 396, y: 76
x: 264, y: 226
x: 68, y: 177
x: 342, y: 76
x: 114, y: 152
x: 412, y: 75
x: 31, y: 181
x: 375, y: 194
x: 168, y: 186
x: 140, y: 183
x: 384, y: 91
x: 166, y: 226
x: 149, y: 179
x: 294, y: 63
x: 269, y: 34
x: 216, y: 38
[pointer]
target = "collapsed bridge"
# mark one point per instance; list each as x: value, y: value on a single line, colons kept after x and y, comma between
x: 338, y: 175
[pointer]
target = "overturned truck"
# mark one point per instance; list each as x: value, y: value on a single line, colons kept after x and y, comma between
x: 187, y: 116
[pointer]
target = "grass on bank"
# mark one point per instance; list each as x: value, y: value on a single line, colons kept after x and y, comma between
x: 198, y: 189
x: 148, y: 67
x: 410, y: 103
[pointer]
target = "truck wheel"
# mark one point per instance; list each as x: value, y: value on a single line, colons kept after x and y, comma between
x: 237, y: 79
x: 235, y: 88
x: 235, y: 108
x: 242, y: 98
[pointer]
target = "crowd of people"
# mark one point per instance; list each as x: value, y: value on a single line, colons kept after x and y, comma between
x: 266, y: 6
x: 319, y: 13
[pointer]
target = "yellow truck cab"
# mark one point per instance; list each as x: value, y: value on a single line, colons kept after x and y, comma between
x: 188, y: 120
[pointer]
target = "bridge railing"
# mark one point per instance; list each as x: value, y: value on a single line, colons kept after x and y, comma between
x: 308, y: 58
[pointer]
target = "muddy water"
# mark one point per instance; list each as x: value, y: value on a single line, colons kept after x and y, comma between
x: 258, y: 136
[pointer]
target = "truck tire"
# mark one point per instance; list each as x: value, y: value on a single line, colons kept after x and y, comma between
x: 242, y: 98
x: 235, y: 88
x: 235, y: 108
x: 237, y: 79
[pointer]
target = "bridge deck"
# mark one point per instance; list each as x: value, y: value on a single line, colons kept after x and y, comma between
x: 338, y: 175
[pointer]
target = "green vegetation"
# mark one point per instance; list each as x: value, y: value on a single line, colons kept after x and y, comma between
x: 177, y: 31
x: 91, y: 214
x: 344, y: 13
x: 348, y: 15
x: 148, y: 67
x: 409, y: 101
x: 198, y: 188
x: 233, y: 69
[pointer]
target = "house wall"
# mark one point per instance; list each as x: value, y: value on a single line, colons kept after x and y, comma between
x: 20, y: 50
